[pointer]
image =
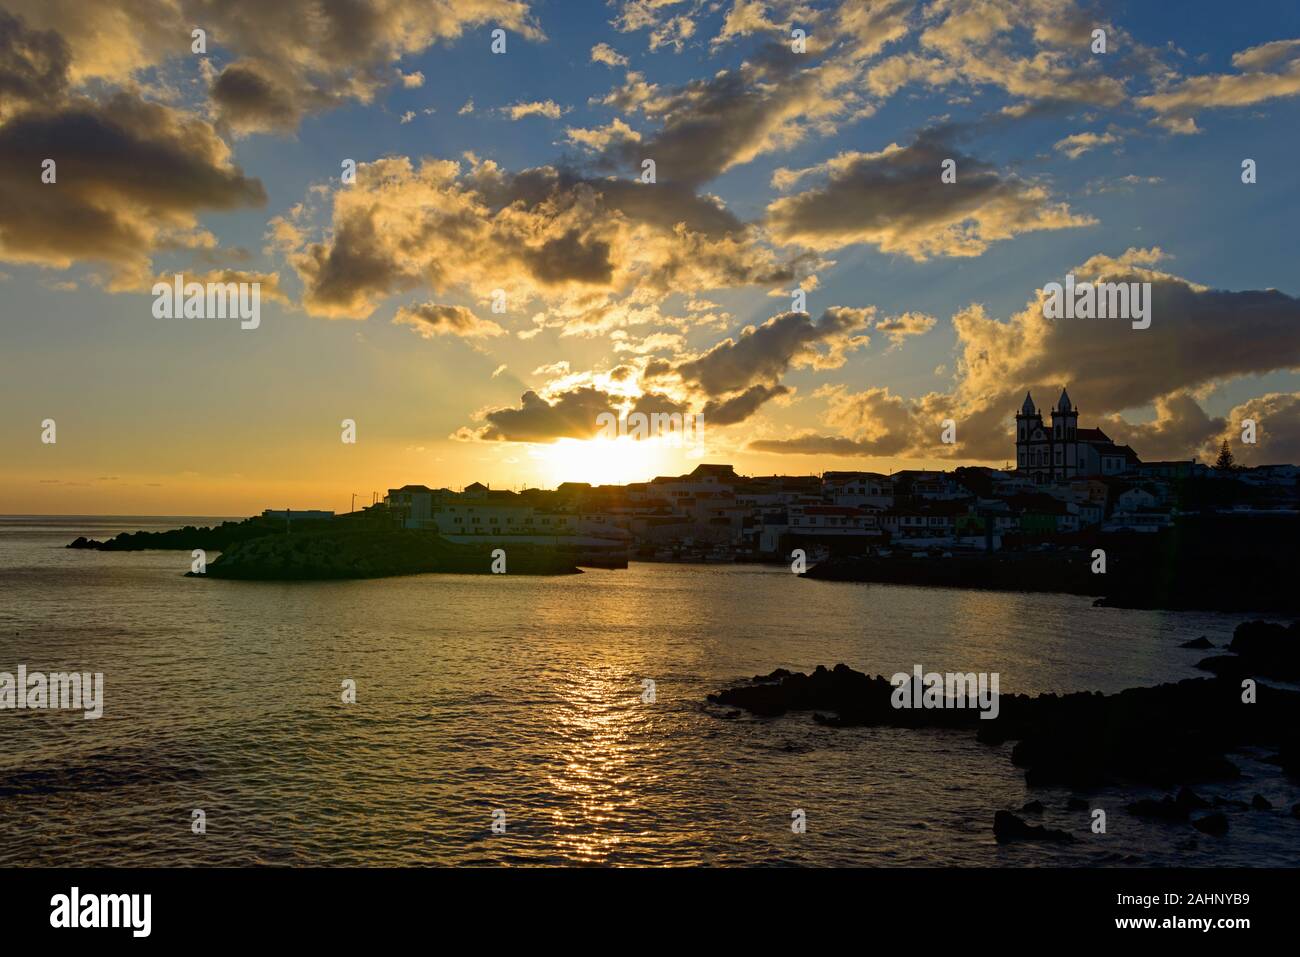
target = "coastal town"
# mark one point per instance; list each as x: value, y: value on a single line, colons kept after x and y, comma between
x: 1068, y: 486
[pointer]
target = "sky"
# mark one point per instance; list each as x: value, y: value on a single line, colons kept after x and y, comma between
x: 502, y: 269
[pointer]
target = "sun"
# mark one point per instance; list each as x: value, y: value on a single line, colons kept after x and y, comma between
x: 601, y: 461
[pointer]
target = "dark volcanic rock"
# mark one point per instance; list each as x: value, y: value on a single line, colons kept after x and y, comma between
x: 1288, y: 755
x: 1166, y: 809
x: 1261, y: 803
x: 1201, y: 643
x: 1033, y: 807
x: 1295, y: 810
x: 855, y: 699
x: 1169, y: 735
x: 1076, y: 804
x: 1216, y: 824
x: 82, y: 541
x: 1260, y: 648
x: 1232, y: 803
x: 1008, y: 827
x: 1178, y: 808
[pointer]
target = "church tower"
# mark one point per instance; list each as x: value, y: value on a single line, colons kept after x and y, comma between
x: 1065, y: 438
x: 1029, y: 424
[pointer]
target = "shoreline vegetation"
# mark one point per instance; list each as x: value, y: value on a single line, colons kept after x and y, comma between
x: 1171, y: 736
x: 260, y: 549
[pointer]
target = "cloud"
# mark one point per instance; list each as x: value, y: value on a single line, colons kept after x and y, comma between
x: 1277, y: 430
x: 430, y: 319
x: 1178, y: 104
x: 1180, y: 428
x: 131, y: 178
x: 745, y: 17
x: 606, y: 54
x: 1076, y: 144
x: 765, y: 353
x: 877, y: 423
x: 602, y: 138
x: 598, y: 254
x: 899, y: 328
x: 268, y: 282
x: 773, y: 101
x: 290, y: 58
x: 973, y: 43
x: 740, y: 407
x: 571, y: 415
x: 547, y: 108
x: 1199, y: 338
x: 33, y: 65
x: 894, y: 200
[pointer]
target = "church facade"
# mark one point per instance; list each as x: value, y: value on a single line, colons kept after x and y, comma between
x: 1061, y: 451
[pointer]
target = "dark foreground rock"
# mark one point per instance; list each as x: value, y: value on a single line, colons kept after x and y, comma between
x: 1215, y: 824
x: 1260, y: 648
x: 1169, y: 735
x: 1008, y: 827
x: 1198, y: 643
x: 1177, y: 808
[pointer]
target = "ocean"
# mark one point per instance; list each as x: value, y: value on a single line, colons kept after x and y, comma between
x: 520, y: 701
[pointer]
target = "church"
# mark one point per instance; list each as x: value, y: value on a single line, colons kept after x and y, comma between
x: 1063, y: 451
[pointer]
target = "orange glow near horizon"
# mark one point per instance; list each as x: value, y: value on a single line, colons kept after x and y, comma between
x: 601, y: 461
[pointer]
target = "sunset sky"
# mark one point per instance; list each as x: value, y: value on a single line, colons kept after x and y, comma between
x: 519, y: 172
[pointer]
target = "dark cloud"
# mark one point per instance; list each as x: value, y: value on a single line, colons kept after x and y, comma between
x: 33, y: 64
x: 433, y: 319
x: 131, y: 177
x: 763, y: 354
x: 247, y: 99
x: 571, y: 415
x: 896, y: 201
x: 740, y: 407
x: 570, y: 258
x: 580, y: 245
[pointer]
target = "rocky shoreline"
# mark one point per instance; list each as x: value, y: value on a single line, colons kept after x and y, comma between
x: 1170, y: 736
x: 373, y: 554
x: 265, y: 550
x: 214, y: 538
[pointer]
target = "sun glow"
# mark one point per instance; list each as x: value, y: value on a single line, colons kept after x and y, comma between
x: 605, y: 461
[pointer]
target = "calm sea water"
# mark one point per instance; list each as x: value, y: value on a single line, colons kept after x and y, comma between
x: 524, y: 694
